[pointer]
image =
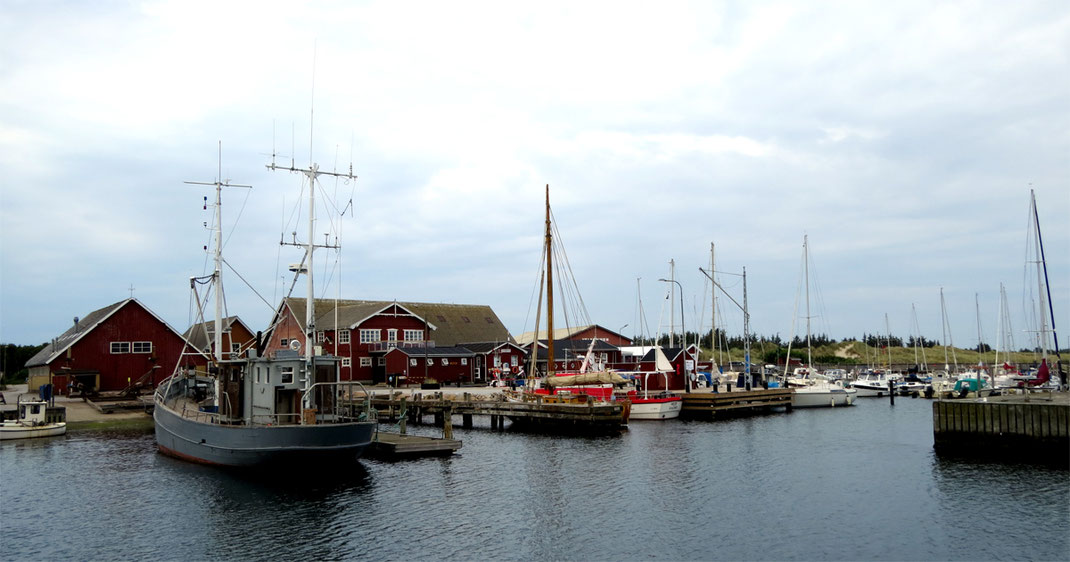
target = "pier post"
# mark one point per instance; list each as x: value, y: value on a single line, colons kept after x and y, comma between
x: 447, y: 422
x: 403, y: 425
x: 891, y: 393
x: 466, y: 420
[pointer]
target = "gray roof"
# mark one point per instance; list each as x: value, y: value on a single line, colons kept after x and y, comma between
x: 198, y: 334
x: 435, y: 351
x: 488, y: 346
x: 449, y: 323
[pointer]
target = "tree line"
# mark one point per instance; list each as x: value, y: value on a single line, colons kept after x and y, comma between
x: 13, y: 360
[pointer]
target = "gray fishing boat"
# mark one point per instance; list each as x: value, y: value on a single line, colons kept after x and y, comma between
x: 241, y: 408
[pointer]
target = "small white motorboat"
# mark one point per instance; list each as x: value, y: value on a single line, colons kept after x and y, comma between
x: 31, y: 422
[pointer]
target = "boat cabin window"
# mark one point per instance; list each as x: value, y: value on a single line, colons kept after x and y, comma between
x: 287, y: 374
x: 258, y: 375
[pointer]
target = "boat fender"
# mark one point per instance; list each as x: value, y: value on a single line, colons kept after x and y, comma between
x: 964, y: 391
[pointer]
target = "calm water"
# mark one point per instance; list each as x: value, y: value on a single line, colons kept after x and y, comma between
x: 856, y: 483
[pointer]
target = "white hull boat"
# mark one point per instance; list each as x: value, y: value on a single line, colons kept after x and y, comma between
x: 823, y: 396
x: 31, y: 423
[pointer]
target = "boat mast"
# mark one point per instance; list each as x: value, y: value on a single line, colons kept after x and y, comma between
x: 312, y: 172
x: 713, y: 315
x: 1042, y: 284
x: 549, y: 292
x: 948, y: 340
x: 672, y: 311
x: 217, y: 233
x: 806, y: 275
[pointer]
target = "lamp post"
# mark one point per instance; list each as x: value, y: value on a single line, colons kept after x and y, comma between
x: 683, y: 330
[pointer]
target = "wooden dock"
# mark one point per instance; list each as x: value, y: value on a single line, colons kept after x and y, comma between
x: 395, y: 446
x: 539, y: 413
x: 1036, y: 425
x: 710, y: 405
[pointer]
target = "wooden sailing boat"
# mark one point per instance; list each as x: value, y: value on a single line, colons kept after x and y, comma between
x: 567, y: 386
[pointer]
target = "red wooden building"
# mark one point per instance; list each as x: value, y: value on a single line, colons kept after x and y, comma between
x: 417, y: 365
x: 367, y: 330
x: 589, y: 332
x: 109, y: 349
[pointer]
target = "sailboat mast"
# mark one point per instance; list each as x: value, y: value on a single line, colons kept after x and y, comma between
x: 713, y: 313
x: 1042, y: 278
x: 549, y: 292
x: 806, y: 275
x: 310, y: 312
x: 672, y: 311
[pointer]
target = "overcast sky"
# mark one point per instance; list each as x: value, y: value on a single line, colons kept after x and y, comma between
x: 901, y: 137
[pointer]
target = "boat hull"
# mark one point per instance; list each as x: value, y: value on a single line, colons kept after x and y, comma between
x: 811, y: 397
x: 869, y: 391
x: 655, y: 408
x: 17, y: 431
x: 243, y: 446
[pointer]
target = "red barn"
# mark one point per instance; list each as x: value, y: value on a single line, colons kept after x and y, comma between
x: 590, y: 332
x: 109, y: 349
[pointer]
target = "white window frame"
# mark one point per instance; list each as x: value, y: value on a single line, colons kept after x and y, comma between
x: 413, y: 335
x: 343, y: 336
x: 286, y: 375
x: 445, y: 362
x: 320, y: 336
x: 347, y: 362
x: 392, y: 334
x: 141, y: 347
x: 365, y: 361
x: 118, y: 347
x: 412, y: 361
x: 381, y: 361
x: 370, y: 335
x: 430, y: 362
x: 464, y: 360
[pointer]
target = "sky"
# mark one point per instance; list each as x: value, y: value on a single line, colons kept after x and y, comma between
x: 901, y: 138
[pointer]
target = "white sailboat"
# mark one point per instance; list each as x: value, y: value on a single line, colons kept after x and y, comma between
x: 817, y: 392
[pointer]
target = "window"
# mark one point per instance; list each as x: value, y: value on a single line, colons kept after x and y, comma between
x: 235, y: 348
x: 602, y: 357
x: 369, y: 336
x: 258, y: 375
x: 320, y: 336
x: 381, y: 361
x: 412, y: 361
x: 346, y: 362
x: 287, y: 375
x: 392, y: 334
x: 343, y: 336
x: 430, y: 362
x: 365, y: 361
x: 120, y: 347
x: 284, y: 342
x: 466, y: 320
x: 464, y: 360
x: 445, y: 362
x: 142, y: 347
x: 489, y: 321
x: 414, y: 335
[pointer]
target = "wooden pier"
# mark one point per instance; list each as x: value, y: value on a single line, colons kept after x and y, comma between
x: 395, y: 446
x: 1036, y: 424
x: 707, y: 405
x: 538, y: 413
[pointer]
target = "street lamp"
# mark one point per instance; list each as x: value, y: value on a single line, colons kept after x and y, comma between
x: 683, y: 330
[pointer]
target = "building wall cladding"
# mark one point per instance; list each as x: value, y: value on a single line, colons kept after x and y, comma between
x: 418, y: 368
x: 93, y: 351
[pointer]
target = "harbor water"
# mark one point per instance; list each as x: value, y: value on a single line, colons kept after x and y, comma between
x: 859, y: 483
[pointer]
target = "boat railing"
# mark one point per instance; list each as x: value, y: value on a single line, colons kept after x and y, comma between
x: 343, y: 403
